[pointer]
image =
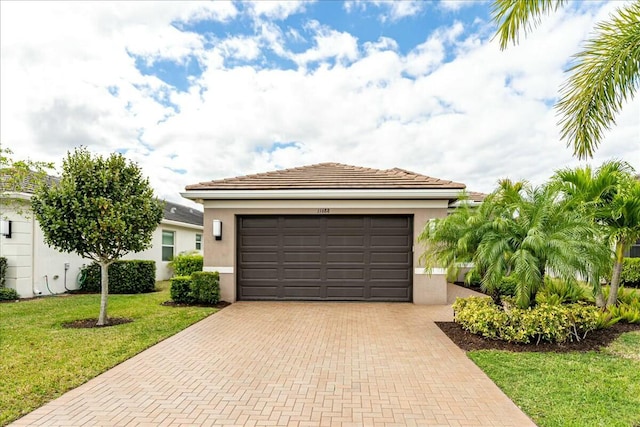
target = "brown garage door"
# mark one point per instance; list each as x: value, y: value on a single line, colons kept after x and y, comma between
x: 334, y: 258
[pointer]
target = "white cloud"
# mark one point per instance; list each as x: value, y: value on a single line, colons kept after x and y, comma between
x: 329, y: 44
x: 277, y: 10
x: 455, y: 5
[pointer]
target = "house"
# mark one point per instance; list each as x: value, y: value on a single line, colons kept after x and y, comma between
x: 37, y: 269
x: 328, y: 232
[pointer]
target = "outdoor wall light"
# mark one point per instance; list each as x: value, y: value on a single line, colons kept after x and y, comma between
x: 5, y: 228
x: 217, y: 229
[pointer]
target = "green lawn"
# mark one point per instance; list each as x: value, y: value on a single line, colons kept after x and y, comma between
x: 40, y: 360
x: 571, y: 389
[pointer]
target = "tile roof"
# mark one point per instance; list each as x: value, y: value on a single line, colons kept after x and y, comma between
x: 475, y: 196
x: 181, y: 213
x: 325, y: 176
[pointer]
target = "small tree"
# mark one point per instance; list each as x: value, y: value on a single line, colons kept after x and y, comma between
x: 101, y: 209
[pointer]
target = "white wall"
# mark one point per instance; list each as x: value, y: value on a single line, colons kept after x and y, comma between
x: 184, y: 241
x: 18, y: 251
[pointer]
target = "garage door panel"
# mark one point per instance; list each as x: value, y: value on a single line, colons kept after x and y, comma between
x: 353, y: 258
x: 303, y: 292
x: 345, y: 222
x: 259, y: 273
x: 388, y: 292
x: 345, y: 292
x: 301, y: 241
x: 345, y: 273
x: 301, y: 222
x: 259, y: 257
x: 301, y: 273
x: 249, y: 223
x: 258, y: 292
x: 302, y: 257
x: 340, y: 241
x: 389, y: 274
x: 391, y: 258
x: 390, y: 241
x: 260, y: 241
x: 345, y: 257
x: 390, y: 222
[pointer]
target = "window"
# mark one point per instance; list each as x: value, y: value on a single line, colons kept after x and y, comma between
x: 198, y: 242
x: 168, y: 239
x: 634, y: 251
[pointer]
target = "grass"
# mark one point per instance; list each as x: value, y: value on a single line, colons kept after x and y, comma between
x: 571, y: 389
x: 40, y: 360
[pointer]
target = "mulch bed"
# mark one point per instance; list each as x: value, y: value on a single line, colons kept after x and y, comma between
x: 594, y: 340
x: 220, y: 305
x: 92, y: 323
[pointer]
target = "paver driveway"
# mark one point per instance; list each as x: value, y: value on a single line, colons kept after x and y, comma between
x: 301, y: 364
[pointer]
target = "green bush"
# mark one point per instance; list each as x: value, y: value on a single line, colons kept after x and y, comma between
x: 205, y: 287
x: 181, y: 290
x: 544, y: 322
x: 125, y: 277
x: 3, y: 270
x: 630, y: 275
x: 508, y: 287
x: 186, y: 264
x: 8, y: 294
x: 556, y: 291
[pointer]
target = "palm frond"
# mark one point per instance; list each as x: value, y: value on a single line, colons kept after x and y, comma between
x: 514, y: 16
x: 606, y: 74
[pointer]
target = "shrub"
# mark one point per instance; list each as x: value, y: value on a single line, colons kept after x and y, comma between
x: 125, y: 277
x: 630, y: 275
x: 8, y: 294
x: 544, y: 322
x: 556, y: 291
x: 181, y: 290
x: 205, y: 287
x: 186, y: 264
x: 508, y: 287
x: 3, y: 270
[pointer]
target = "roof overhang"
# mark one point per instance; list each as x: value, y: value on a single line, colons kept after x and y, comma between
x: 323, y: 194
x: 16, y: 195
x: 181, y: 224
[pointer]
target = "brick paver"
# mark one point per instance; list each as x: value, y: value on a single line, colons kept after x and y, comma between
x: 294, y: 364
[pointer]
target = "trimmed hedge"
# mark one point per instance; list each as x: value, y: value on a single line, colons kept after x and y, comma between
x: 186, y: 264
x: 181, y: 290
x: 630, y: 275
x: 8, y: 294
x: 205, y: 287
x: 125, y: 277
x: 3, y: 270
x: 199, y: 288
x: 544, y: 322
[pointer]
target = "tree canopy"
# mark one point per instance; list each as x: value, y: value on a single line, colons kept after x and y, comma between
x: 101, y: 209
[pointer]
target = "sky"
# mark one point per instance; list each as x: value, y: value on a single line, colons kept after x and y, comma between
x: 195, y: 91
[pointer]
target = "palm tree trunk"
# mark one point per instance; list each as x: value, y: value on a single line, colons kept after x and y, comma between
x: 104, y: 280
x: 615, y: 277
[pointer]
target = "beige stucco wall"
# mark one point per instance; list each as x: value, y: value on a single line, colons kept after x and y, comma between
x: 220, y: 255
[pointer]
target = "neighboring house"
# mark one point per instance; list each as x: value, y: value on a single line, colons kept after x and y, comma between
x: 323, y: 232
x: 37, y: 269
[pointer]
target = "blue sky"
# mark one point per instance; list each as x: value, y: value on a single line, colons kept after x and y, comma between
x: 194, y: 91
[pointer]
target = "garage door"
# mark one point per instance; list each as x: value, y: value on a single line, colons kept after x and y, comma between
x: 333, y: 258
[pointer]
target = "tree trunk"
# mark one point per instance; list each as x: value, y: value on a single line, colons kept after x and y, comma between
x: 615, y: 277
x: 104, y: 281
x: 599, y: 297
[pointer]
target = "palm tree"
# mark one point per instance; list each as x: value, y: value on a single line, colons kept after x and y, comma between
x: 519, y: 232
x: 610, y: 195
x: 605, y: 74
